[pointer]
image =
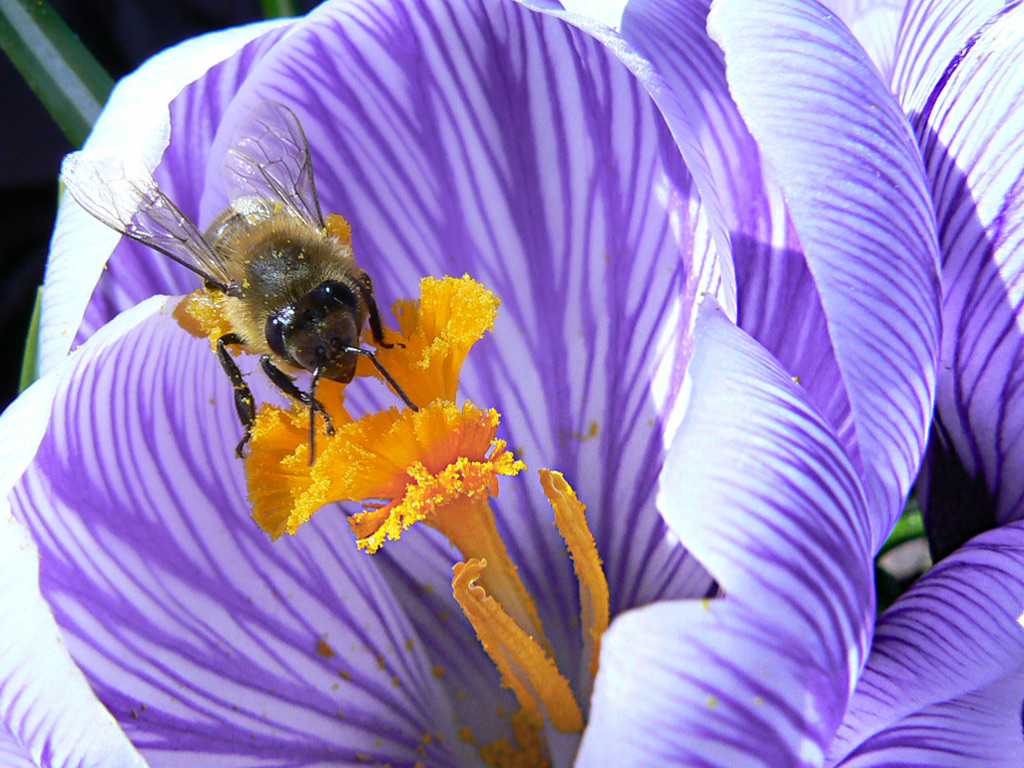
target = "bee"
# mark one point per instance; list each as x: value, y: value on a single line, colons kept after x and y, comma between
x: 293, y: 293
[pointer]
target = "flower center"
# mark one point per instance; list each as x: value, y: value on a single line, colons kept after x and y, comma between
x: 438, y: 465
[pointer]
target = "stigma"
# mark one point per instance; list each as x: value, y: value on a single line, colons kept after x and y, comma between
x: 440, y: 466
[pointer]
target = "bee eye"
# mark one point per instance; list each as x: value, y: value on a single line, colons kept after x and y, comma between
x: 274, y: 331
x: 333, y: 294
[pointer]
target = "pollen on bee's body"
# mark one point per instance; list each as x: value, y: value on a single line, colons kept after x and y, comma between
x: 204, y: 313
x: 339, y: 227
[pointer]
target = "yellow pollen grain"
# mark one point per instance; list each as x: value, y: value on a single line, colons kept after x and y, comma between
x: 419, y: 464
x: 572, y: 524
x: 524, y: 666
x: 527, y: 728
x: 324, y: 649
x: 425, y: 494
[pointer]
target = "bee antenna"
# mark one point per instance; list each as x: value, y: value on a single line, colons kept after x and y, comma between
x: 384, y: 372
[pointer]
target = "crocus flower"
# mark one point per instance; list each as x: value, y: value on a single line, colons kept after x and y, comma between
x: 719, y: 321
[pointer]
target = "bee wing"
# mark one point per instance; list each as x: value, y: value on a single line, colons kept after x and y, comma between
x: 269, y: 159
x: 131, y: 203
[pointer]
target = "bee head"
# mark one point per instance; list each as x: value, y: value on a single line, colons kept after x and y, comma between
x: 318, y: 330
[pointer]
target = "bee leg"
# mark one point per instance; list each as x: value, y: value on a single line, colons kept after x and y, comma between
x: 284, y: 382
x: 384, y: 372
x: 376, y: 329
x: 245, y: 403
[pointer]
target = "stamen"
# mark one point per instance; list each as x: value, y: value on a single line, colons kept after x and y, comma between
x: 470, y: 526
x: 524, y: 666
x: 572, y: 524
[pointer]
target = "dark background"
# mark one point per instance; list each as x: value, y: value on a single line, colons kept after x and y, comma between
x: 121, y: 34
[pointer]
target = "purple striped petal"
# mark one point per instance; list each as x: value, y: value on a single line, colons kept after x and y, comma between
x: 13, y: 754
x: 198, y: 634
x: 135, y: 124
x: 933, y: 35
x: 971, y: 132
x: 759, y: 488
x: 50, y: 714
x: 944, y: 684
x: 842, y: 151
x: 778, y: 302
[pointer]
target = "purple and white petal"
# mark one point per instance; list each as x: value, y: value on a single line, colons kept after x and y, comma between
x: 607, y: 12
x: 13, y: 754
x: 836, y: 141
x: 764, y: 495
x: 50, y: 714
x: 778, y: 302
x: 944, y: 684
x: 933, y: 36
x: 512, y: 146
x: 136, y: 125
x: 971, y: 132
x: 875, y: 23
x: 199, y: 634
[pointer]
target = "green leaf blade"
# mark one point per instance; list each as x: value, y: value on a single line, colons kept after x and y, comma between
x: 30, y: 360
x: 276, y: 9
x: 71, y: 84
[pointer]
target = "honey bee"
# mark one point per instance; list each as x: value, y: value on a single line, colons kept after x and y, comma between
x: 294, y: 293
